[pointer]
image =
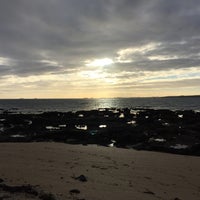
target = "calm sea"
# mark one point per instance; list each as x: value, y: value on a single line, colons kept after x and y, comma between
x: 64, y: 105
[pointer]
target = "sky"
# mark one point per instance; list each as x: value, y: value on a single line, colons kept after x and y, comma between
x: 99, y: 48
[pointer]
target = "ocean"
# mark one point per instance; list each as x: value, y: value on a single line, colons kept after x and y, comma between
x: 65, y: 105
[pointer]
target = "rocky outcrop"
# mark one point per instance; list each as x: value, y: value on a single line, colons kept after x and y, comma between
x: 142, y: 129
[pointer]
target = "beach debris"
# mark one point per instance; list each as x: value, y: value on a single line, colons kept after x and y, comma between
x: 180, y: 116
x: 80, y: 115
x: 81, y: 127
x: 74, y: 191
x: 81, y: 178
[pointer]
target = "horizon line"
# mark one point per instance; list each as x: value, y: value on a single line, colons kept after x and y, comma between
x: 168, y: 96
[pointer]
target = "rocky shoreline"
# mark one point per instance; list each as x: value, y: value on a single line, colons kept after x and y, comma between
x: 142, y: 129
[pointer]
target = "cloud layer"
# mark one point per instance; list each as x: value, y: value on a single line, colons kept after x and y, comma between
x: 152, y: 45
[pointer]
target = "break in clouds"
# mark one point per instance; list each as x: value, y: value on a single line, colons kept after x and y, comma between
x: 99, y: 48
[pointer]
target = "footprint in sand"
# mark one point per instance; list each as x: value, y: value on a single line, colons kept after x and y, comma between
x: 149, y: 192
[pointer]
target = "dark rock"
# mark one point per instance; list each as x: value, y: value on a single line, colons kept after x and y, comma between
x: 28, y: 189
x: 175, y: 127
x: 74, y: 191
x: 48, y: 196
x: 4, y: 197
x: 81, y: 178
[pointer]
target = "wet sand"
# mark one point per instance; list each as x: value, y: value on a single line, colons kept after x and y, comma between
x: 110, y: 173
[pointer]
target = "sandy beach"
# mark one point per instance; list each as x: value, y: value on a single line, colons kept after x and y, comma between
x: 107, y: 173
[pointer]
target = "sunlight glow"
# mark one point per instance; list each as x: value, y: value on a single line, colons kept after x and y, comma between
x: 161, y: 57
x: 99, y: 62
x: 5, y: 61
x: 96, y: 74
x: 126, y: 55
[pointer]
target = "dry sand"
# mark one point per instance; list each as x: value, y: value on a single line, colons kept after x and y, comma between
x: 112, y: 173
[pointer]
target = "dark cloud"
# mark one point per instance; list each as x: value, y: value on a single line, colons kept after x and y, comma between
x: 68, y: 32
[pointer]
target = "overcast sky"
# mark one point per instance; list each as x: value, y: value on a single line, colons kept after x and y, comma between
x: 99, y: 48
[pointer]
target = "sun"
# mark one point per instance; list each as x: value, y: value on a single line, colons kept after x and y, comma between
x: 99, y: 62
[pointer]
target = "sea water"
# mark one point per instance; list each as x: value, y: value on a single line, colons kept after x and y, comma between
x: 65, y: 105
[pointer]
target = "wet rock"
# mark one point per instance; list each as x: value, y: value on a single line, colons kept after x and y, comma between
x: 147, y: 129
